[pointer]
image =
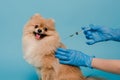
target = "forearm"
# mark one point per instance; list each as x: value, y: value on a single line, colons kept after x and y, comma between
x: 112, y: 66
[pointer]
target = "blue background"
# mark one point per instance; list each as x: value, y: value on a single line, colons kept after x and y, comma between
x: 70, y: 16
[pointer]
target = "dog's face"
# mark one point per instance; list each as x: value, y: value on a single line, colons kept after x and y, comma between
x: 39, y: 27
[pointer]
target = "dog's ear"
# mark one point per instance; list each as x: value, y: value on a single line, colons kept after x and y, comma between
x: 51, y: 22
x: 36, y: 16
x: 35, y: 19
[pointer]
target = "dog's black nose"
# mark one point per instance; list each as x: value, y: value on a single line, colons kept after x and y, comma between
x: 39, y: 30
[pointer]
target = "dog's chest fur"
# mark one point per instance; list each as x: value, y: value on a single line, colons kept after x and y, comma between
x: 40, y: 52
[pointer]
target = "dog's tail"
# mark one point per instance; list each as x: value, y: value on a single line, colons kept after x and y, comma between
x: 94, y: 78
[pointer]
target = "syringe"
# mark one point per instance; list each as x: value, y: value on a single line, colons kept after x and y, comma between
x: 77, y: 33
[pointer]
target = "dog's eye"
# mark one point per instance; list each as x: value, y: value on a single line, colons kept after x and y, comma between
x: 45, y: 29
x: 36, y: 26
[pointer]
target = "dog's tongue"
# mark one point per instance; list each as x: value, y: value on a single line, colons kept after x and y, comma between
x: 37, y: 36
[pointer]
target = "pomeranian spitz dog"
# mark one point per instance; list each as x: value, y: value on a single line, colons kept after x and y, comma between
x: 40, y: 41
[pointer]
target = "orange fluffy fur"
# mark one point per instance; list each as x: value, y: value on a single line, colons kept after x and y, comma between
x: 40, y: 52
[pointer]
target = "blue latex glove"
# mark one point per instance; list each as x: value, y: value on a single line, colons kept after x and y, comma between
x: 99, y: 34
x: 73, y: 57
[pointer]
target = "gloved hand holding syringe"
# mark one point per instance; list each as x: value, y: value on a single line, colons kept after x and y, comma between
x: 97, y: 33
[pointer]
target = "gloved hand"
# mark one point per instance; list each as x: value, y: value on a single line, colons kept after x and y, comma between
x: 73, y: 57
x: 99, y: 33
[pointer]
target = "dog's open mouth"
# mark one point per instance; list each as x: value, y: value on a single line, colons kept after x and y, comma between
x: 38, y: 35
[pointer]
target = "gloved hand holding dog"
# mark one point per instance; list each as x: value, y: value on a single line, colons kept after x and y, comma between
x: 73, y: 57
